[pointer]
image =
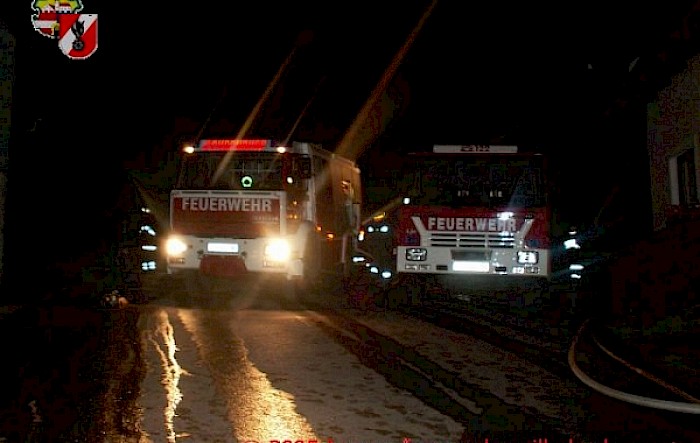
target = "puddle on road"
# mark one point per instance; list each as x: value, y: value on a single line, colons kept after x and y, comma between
x: 171, y: 370
x: 178, y: 400
x: 341, y: 397
x: 256, y: 410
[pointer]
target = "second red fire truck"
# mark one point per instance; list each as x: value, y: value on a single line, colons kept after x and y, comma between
x: 464, y: 218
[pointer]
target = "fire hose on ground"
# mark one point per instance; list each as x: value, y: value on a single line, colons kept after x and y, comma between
x: 690, y: 407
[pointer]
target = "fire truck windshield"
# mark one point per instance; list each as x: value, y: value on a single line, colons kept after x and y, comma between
x: 475, y: 180
x: 243, y: 170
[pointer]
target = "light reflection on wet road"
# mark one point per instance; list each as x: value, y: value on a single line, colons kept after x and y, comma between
x: 178, y: 398
x: 269, y: 370
x: 171, y: 370
x: 262, y: 375
x: 257, y: 411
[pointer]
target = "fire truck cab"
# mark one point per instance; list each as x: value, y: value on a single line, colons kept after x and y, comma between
x: 468, y: 218
x: 252, y: 207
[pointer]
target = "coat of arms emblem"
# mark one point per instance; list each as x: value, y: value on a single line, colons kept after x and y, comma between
x: 61, y: 20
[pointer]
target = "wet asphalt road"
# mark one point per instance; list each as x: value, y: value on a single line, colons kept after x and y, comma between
x: 258, y: 367
x: 173, y: 370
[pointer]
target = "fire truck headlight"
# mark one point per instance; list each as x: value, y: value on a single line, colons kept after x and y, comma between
x: 416, y: 254
x: 278, y: 250
x: 175, y: 246
x: 528, y: 257
x: 571, y: 244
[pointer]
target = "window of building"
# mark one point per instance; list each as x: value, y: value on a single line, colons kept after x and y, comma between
x: 684, y: 187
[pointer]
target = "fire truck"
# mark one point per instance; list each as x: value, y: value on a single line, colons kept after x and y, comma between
x: 465, y: 218
x: 254, y: 208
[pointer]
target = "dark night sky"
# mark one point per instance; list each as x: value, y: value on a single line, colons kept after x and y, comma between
x: 517, y: 71
x: 473, y: 73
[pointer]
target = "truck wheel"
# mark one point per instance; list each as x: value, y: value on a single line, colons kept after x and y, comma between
x: 406, y: 292
x: 310, y: 283
x: 289, y: 290
x: 530, y: 298
x: 197, y: 286
x: 414, y: 296
x: 357, y: 289
x: 396, y: 296
x: 191, y: 286
x: 376, y: 295
x: 304, y: 286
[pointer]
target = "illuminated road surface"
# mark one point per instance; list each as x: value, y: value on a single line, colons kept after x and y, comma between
x: 263, y: 370
x: 255, y: 367
x: 255, y: 375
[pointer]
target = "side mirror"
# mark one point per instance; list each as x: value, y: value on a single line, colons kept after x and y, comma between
x: 303, y: 167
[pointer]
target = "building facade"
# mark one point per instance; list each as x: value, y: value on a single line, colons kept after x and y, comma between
x: 658, y: 278
x: 7, y: 74
x: 673, y: 128
x: 673, y: 143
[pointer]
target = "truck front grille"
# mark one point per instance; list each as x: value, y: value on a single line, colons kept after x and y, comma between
x: 482, y: 240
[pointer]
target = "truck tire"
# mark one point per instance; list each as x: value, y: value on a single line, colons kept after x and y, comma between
x: 197, y: 286
x: 356, y: 288
x: 397, y: 296
x: 415, y: 295
x: 310, y: 282
x: 407, y: 291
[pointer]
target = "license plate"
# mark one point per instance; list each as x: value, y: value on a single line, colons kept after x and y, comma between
x: 222, y: 248
x: 470, y: 266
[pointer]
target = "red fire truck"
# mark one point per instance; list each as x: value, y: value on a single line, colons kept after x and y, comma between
x: 467, y: 218
x: 244, y: 207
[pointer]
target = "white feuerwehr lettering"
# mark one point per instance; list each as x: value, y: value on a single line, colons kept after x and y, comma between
x: 234, y: 204
x: 471, y: 224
